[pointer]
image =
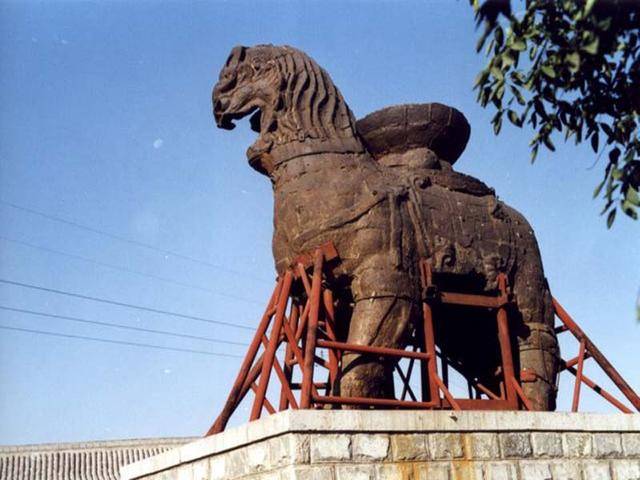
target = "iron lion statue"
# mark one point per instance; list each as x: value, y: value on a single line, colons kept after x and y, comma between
x: 383, y: 190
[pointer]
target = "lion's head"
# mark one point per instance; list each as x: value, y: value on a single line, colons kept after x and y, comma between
x: 291, y: 98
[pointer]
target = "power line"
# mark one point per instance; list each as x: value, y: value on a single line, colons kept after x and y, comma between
x: 128, y: 270
x: 119, y: 342
x: 123, y: 304
x: 130, y: 241
x: 119, y: 325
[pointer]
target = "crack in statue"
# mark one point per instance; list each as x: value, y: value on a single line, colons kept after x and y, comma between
x: 383, y: 190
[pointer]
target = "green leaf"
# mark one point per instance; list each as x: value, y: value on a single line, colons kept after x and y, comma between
x: 598, y: 189
x: 496, y: 72
x: 517, y: 95
x: 548, y: 71
x: 588, y: 7
x: 534, y: 153
x: 513, y: 118
x: 497, y: 125
x: 481, y: 78
x: 592, y: 46
x: 595, y: 141
x: 629, y: 210
x: 632, y: 197
x: 573, y: 60
x: 614, y: 155
x: 519, y: 45
x: 548, y: 143
x: 616, y: 174
x: 611, y: 217
x: 498, y: 34
x: 607, y: 129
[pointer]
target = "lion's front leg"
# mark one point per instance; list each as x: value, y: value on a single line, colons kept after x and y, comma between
x: 382, y: 316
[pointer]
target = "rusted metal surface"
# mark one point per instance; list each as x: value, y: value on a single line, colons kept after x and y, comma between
x: 390, y: 352
x: 300, y: 319
x: 578, y: 383
x: 597, y: 355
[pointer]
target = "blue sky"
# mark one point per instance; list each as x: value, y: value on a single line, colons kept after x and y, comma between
x: 106, y: 122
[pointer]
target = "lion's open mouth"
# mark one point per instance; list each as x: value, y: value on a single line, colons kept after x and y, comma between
x: 225, y: 120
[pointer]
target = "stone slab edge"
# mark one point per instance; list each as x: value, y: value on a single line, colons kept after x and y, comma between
x: 370, y: 421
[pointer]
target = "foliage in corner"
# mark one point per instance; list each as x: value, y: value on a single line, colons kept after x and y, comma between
x: 570, y: 68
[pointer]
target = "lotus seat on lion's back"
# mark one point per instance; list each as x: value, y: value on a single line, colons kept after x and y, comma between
x: 400, y: 128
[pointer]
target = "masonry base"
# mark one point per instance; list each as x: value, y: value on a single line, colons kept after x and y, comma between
x: 434, y: 445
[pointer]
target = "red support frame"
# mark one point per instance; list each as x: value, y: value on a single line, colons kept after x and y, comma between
x: 299, y: 323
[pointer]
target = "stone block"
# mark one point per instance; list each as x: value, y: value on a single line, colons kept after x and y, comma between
x: 409, y: 447
x: 258, y: 456
x: 466, y: 470
x: 626, y: 469
x: 370, y: 447
x: 309, y: 472
x: 515, y: 445
x: 577, y: 445
x: 535, y: 470
x: 218, y: 467
x: 481, y: 446
x: 236, y: 464
x: 184, y: 472
x: 394, y: 471
x: 330, y: 448
x: 607, y: 445
x: 201, y: 469
x: 445, y: 446
x: 355, y: 472
x: 631, y: 445
x: 432, y: 471
x: 546, y: 445
x: 288, y: 449
x: 596, y: 470
x: 501, y: 471
x: 566, y: 470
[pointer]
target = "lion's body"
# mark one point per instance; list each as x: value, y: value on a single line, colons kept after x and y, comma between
x: 384, y: 214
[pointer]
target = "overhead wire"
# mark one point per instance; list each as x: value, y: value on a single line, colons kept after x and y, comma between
x: 130, y: 241
x: 128, y: 270
x: 123, y: 304
x: 119, y: 325
x: 119, y: 342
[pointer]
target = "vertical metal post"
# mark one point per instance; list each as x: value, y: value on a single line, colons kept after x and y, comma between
x: 312, y: 327
x: 507, y: 357
x: 431, y: 369
x: 270, y: 353
x: 334, y: 356
x: 288, y: 356
x: 578, y: 384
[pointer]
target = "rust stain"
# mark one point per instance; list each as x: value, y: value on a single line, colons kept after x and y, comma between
x: 407, y: 471
x: 465, y: 468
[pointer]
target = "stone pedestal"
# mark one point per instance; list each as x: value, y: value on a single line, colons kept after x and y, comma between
x: 434, y: 445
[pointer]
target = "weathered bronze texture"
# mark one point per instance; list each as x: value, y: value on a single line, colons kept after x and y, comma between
x: 383, y: 190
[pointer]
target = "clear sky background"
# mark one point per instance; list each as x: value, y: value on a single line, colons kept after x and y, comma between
x: 105, y: 121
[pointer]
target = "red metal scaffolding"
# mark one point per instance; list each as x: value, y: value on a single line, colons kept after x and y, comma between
x: 297, y: 330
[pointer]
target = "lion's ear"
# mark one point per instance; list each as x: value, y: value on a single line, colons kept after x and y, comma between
x: 236, y: 56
